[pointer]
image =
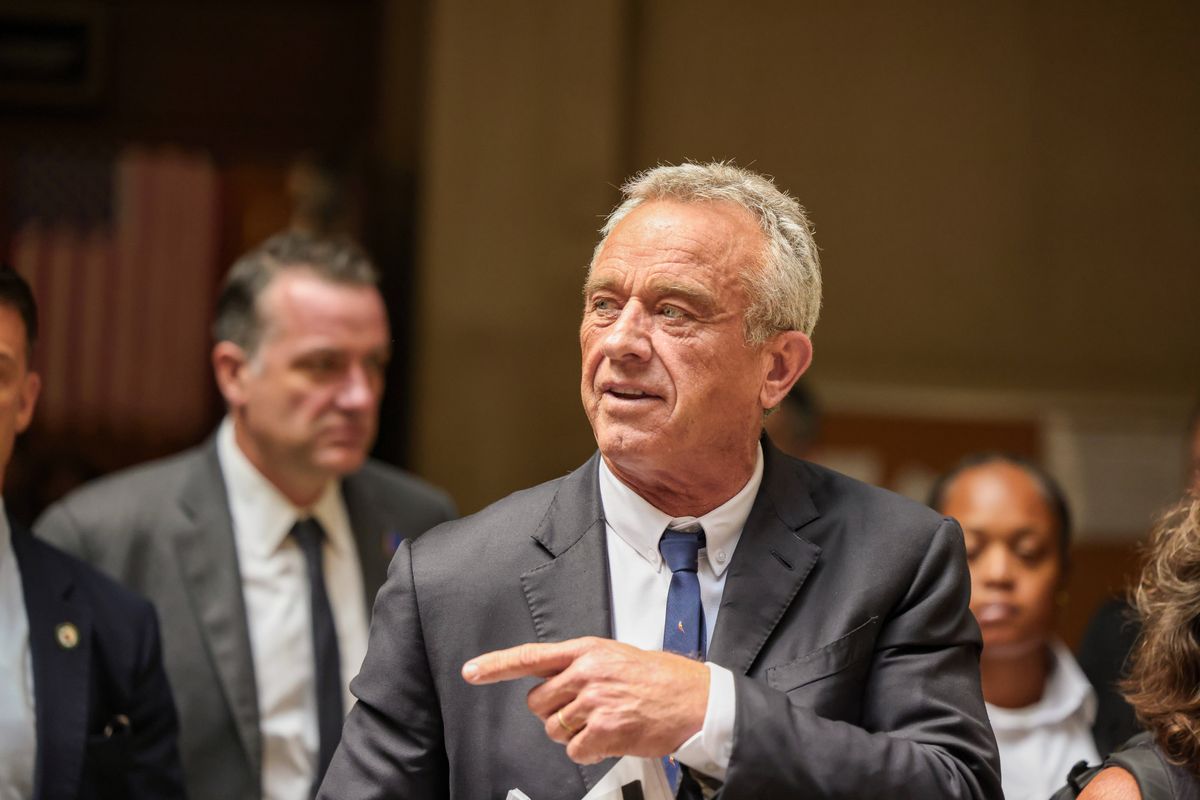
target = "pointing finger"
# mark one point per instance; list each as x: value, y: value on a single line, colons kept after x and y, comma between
x: 526, y: 660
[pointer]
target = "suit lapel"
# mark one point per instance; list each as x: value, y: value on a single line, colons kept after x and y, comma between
x: 769, y: 566
x: 568, y: 595
x: 60, y: 640
x: 369, y: 527
x: 208, y: 557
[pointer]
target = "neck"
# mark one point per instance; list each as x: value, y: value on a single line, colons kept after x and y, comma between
x: 1016, y: 681
x: 686, y: 495
x: 302, y: 490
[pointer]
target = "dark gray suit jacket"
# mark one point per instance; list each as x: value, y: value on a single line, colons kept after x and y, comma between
x: 164, y: 530
x: 844, y: 621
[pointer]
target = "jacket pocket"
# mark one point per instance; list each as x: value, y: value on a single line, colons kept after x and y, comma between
x: 108, y: 757
x: 831, y: 659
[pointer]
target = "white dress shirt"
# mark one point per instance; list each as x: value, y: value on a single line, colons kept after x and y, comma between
x: 639, y: 585
x: 18, y: 720
x: 1041, y: 742
x: 279, y: 615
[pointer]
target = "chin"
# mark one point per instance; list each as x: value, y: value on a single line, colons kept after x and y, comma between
x: 1007, y: 647
x: 625, y: 445
x: 342, y: 462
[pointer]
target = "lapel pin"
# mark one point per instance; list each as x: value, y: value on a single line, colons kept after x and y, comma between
x: 391, y: 543
x: 67, y: 635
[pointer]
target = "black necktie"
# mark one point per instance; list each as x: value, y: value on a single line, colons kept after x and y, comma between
x: 327, y: 676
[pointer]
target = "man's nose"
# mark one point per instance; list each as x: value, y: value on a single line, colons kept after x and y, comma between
x: 360, y: 389
x: 629, y: 335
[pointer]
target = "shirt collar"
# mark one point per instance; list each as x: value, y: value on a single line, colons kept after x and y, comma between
x: 269, y: 511
x: 640, y: 525
x: 5, y: 533
x: 1067, y: 692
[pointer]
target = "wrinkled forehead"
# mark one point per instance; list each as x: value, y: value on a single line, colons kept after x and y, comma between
x: 713, y: 233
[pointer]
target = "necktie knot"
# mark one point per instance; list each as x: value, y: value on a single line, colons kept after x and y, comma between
x: 681, y: 549
x: 309, y: 534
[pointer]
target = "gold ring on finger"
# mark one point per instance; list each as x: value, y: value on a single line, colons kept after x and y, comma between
x: 558, y: 715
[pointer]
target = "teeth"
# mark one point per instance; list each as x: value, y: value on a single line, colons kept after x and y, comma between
x: 629, y: 392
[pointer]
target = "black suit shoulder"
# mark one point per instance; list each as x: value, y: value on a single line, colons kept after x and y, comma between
x: 126, y: 685
x: 125, y: 611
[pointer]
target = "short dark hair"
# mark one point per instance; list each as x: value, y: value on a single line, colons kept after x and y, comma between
x: 337, y: 260
x: 16, y: 294
x: 1056, y: 501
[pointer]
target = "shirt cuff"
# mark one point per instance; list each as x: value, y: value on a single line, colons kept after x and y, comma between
x: 709, y: 749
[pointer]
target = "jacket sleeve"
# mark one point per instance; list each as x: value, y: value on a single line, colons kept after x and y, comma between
x: 924, y: 732
x: 155, y: 771
x: 392, y: 742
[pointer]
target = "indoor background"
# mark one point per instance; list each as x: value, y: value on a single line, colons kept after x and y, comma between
x: 1006, y: 196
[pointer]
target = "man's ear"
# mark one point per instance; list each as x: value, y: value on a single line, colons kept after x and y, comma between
x: 229, y: 367
x: 789, y: 354
x: 31, y: 388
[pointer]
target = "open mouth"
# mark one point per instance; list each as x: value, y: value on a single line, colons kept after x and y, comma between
x: 628, y: 394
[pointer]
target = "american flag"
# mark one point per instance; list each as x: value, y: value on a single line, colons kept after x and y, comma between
x: 122, y: 254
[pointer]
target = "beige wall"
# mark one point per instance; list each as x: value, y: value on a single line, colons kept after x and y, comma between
x: 1006, y: 195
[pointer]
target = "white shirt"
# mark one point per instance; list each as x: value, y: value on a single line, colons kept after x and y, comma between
x: 639, y: 585
x: 279, y: 616
x: 1041, y: 742
x: 18, y: 721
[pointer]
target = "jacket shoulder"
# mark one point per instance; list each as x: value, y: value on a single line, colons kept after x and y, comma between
x: 517, y: 514
x: 840, y: 495
x: 111, y: 601
x: 149, y: 483
x: 125, y: 504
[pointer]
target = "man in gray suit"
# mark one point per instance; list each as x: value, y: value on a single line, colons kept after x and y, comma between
x: 264, y: 547
x: 690, y: 593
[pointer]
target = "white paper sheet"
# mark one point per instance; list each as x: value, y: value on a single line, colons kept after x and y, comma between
x: 630, y: 768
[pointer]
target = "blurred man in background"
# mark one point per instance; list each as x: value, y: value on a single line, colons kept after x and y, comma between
x: 85, y: 709
x: 264, y: 547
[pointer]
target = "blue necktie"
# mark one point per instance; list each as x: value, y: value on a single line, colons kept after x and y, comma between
x: 683, y: 630
x: 326, y: 662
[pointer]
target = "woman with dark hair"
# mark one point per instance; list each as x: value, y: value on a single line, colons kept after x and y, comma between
x: 1164, y: 682
x: 1016, y: 528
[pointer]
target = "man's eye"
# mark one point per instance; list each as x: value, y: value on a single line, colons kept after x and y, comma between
x: 377, y: 364
x: 322, y: 365
x: 604, y: 305
x: 672, y: 312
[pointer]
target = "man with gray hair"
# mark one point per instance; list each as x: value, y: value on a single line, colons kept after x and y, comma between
x: 764, y: 627
x: 264, y: 547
